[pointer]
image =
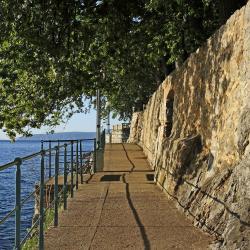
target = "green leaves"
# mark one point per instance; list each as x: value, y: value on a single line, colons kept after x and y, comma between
x: 53, y: 53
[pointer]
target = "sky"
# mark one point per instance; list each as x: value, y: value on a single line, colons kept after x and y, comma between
x: 78, y: 123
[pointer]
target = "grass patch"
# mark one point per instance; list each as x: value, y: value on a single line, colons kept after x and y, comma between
x: 32, y: 243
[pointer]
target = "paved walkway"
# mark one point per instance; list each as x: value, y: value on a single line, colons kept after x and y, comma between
x: 122, y: 208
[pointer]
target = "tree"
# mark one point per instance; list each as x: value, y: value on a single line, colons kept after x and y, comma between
x: 54, y: 52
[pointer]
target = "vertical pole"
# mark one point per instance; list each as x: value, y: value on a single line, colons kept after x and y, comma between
x: 49, y: 159
x: 103, y: 139
x: 41, y: 144
x: 65, y: 178
x: 108, y: 121
x: 41, y: 203
x: 56, y: 188
x: 81, y: 161
x: 100, y: 144
x: 98, y: 119
x: 71, y: 171
x: 58, y: 144
x: 77, y: 152
x: 18, y: 204
x: 108, y: 127
x: 95, y: 156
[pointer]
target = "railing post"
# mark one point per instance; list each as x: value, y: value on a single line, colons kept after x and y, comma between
x: 58, y: 144
x: 95, y: 156
x: 65, y: 178
x: 71, y: 171
x: 18, y: 204
x: 77, y: 164
x: 81, y: 162
x: 98, y: 118
x: 49, y: 159
x: 100, y: 142
x: 41, y: 203
x: 56, y: 188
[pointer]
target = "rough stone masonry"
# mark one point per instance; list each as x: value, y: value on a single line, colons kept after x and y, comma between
x: 195, y: 131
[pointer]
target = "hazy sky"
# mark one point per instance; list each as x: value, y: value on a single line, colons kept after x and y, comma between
x: 78, y: 123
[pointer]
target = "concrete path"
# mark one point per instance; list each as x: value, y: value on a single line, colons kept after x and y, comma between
x: 122, y: 208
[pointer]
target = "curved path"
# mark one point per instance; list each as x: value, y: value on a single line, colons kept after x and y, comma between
x: 122, y: 208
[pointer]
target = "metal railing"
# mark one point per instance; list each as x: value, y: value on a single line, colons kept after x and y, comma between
x: 56, y: 163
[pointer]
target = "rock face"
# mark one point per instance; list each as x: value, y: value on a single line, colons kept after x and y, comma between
x: 195, y: 131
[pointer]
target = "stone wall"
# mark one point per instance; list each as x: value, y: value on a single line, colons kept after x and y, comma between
x: 195, y: 131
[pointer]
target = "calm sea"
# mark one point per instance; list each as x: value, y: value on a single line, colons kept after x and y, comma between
x: 30, y: 176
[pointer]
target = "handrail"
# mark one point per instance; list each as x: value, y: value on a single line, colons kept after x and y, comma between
x: 87, y: 139
x: 28, y: 157
x: 63, y: 165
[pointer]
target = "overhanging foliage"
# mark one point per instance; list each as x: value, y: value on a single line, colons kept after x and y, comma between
x: 54, y: 52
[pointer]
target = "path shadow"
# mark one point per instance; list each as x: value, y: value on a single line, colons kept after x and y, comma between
x: 131, y: 205
x: 136, y: 216
x: 133, y: 165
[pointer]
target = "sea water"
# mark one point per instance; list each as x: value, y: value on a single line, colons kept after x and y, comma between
x: 30, y: 175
